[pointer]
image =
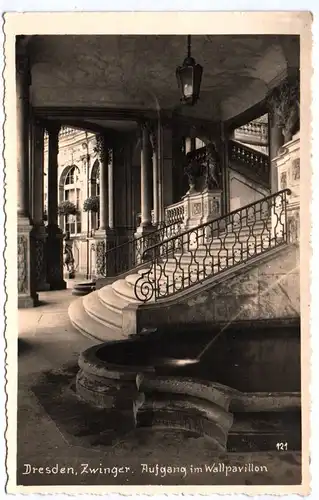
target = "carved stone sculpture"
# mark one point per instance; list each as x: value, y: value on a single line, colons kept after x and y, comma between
x: 68, y: 259
x: 211, y: 168
x: 284, y: 104
x: 192, y: 170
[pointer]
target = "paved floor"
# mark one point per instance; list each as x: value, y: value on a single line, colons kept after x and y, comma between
x: 53, y: 429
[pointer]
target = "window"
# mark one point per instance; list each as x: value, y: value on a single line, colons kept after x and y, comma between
x: 72, y: 223
x: 95, y: 191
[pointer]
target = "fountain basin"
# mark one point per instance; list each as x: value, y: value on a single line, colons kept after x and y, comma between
x: 132, y: 377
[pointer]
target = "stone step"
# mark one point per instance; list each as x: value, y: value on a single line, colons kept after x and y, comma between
x: 173, y: 281
x: 224, y: 243
x: 217, y: 245
x: 110, y: 300
x: 124, y: 291
x: 192, y: 262
x: 256, y: 227
x: 89, y: 326
x: 96, y: 310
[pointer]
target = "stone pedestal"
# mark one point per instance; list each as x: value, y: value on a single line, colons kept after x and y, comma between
x: 103, y: 263
x: 199, y: 208
x: 288, y: 172
x: 54, y: 254
x: 27, y: 296
x: 202, y: 207
x: 38, y: 241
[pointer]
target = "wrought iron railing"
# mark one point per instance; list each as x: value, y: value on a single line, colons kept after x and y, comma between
x: 199, y: 253
x: 121, y: 258
x: 257, y: 162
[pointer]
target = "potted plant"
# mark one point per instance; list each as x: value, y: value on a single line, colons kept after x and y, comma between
x: 91, y: 204
x: 66, y: 207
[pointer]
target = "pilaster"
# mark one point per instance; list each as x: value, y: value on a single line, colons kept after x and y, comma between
x: 27, y: 296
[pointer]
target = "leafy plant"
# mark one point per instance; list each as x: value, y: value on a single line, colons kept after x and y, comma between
x: 67, y: 208
x: 91, y: 204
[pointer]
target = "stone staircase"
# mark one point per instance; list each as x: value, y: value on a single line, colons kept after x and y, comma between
x: 100, y: 313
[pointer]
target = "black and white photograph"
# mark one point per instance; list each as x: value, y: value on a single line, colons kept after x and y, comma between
x: 157, y: 314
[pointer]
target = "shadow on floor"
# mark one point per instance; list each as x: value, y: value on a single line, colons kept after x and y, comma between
x: 24, y: 346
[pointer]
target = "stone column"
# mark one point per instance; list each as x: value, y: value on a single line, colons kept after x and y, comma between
x: 27, y: 296
x: 156, y: 177
x: 224, y: 138
x: 104, y: 237
x: 160, y: 156
x: 110, y: 164
x: 276, y: 140
x: 54, y: 243
x: 146, y: 170
x: 38, y: 234
x: 283, y: 103
x: 167, y: 149
x: 103, y: 189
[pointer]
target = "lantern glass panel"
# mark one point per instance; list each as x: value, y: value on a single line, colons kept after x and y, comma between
x: 187, y: 81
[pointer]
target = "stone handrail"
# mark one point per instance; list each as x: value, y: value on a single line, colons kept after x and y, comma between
x: 174, y: 212
x: 257, y: 162
x: 259, y: 129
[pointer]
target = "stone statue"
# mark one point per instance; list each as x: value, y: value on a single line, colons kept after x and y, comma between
x: 192, y: 170
x: 68, y: 259
x: 211, y: 168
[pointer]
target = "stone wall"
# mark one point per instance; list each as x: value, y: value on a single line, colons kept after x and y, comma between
x: 243, y: 191
x: 269, y: 290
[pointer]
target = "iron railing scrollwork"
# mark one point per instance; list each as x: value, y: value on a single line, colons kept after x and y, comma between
x: 121, y: 258
x: 197, y: 254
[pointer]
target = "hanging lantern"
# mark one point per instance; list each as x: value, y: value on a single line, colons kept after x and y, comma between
x: 189, y: 77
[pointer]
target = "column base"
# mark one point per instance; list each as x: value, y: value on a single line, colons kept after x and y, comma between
x: 144, y: 229
x: 27, y: 301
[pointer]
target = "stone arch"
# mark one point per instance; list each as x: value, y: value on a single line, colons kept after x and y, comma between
x: 65, y: 172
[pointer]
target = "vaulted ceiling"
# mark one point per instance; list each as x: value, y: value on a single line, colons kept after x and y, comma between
x: 138, y: 71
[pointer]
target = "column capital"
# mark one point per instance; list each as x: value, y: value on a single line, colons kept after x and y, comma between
x: 283, y: 103
x: 52, y: 128
x: 103, y: 147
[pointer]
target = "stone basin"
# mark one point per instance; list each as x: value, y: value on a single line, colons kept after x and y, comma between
x: 250, y: 368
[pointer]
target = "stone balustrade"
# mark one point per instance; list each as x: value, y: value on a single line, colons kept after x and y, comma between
x: 175, y: 212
